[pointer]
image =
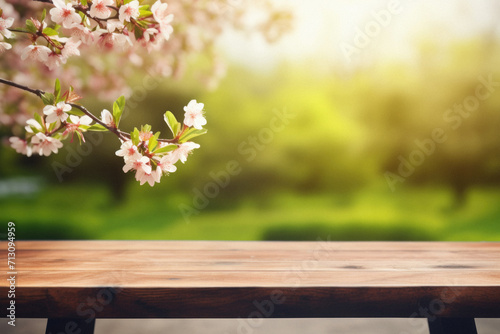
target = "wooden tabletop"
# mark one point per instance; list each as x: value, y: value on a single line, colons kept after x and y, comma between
x: 221, y: 279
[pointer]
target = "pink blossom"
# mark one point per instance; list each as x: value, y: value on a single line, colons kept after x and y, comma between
x: 76, y: 123
x: 100, y: 9
x: 33, y: 124
x: 145, y: 136
x: 83, y: 34
x: 71, y: 48
x: 163, y: 18
x: 151, y: 178
x: 107, y: 118
x: 127, y: 150
x: 113, y: 25
x: 138, y: 162
x: 5, y: 46
x: 148, y: 33
x: 45, y: 145
x: 167, y: 162
x: 55, y: 60
x: 4, y: 25
x: 110, y: 40
x: 181, y: 153
x: 36, y: 52
x: 129, y: 11
x: 57, y: 112
x: 20, y: 145
x: 193, y: 115
x: 64, y: 14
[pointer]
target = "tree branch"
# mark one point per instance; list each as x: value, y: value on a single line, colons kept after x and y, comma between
x: 37, y: 92
x: 120, y: 134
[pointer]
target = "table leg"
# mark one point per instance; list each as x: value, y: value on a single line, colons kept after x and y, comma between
x: 452, y: 326
x: 68, y: 325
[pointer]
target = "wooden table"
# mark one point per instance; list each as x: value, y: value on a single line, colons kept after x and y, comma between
x: 74, y: 282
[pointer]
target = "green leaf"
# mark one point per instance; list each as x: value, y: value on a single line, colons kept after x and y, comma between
x: 191, y: 133
x: 172, y: 123
x: 76, y: 112
x: 44, y: 13
x: 57, y: 43
x: 153, y: 142
x: 138, y: 33
x: 134, y: 136
x: 57, y: 90
x: 83, y: 2
x: 165, y: 149
x: 31, y: 27
x: 80, y: 137
x: 144, y: 11
x: 118, y: 107
x: 97, y: 127
x: 145, y: 128
x: 48, y: 99
x: 38, y: 118
x: 50, y: 32
x: 51, y: 127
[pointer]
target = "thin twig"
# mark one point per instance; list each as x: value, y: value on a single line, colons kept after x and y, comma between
x: 117, y: 132
x: 40, y: 93
x: 37, y: 92
x: 120, y: 134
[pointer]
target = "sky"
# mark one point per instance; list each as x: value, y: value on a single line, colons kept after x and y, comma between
x: 350, y: 33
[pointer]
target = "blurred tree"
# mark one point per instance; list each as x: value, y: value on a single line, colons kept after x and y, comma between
x: 437, y: 122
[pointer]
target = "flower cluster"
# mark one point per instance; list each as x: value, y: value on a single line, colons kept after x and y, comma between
x: 5, y: 24
x: 98, y: 46
x: 143, y: 152
x: 150, y: 157
x: 44, y: 133
x: 108, y: 66
x: 108, y: 23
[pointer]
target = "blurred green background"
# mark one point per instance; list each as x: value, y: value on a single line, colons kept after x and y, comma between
x: 298, y: 148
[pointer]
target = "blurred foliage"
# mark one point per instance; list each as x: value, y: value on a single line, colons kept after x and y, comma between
x: 320, y: 172
x: 85, y: 212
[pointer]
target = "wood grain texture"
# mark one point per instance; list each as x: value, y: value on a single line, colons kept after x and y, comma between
x: 219, y: 279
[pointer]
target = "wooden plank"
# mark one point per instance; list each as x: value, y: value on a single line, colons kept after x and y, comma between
x: 280, y: 279
x: 153, y: 264
x: 224, y: 279
x: 255, y: 256
x: 106, y: 302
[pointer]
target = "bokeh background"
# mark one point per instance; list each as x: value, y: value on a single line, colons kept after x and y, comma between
x: 367, y: 120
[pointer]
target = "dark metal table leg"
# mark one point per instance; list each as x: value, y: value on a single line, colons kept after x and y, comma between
x: 452, y: 326
x: 67, y: 325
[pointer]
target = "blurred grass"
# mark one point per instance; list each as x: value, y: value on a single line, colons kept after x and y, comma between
x: 87, y: 212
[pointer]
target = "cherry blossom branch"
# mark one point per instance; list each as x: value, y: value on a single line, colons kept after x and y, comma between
x: 37, y: 92
x: 62, y: 126
x: 120, y: 134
